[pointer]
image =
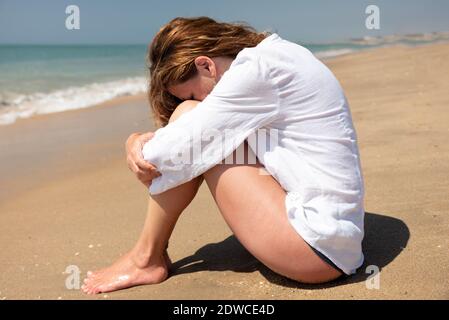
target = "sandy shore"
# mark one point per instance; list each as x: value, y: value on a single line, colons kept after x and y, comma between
x: 68, y: 198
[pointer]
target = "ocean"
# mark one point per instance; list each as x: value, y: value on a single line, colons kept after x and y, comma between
x: 39, y: 79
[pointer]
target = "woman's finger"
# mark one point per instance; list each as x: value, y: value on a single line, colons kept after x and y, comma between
x: 147, y: 183
x: 143, y: 175
x: 144, y: 137
x: 147, y: 175
x: 144, y: 165
x: 132, y: 166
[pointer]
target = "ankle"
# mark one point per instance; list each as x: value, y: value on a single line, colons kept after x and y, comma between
x: 145, y: 258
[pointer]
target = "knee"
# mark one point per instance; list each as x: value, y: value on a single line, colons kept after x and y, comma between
x: 182, y: 108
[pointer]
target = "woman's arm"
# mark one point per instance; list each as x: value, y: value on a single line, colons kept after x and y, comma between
x: 243, y: 101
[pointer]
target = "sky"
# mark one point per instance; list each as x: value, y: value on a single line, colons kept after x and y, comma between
x: 136, y: 21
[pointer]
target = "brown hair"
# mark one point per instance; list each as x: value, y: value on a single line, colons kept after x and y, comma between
x: 172, y: 53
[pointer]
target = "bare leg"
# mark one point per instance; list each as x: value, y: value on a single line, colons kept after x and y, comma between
x: 256, y: 213
x: 148, y: 261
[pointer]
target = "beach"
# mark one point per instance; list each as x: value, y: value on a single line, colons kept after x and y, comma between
x: 67, y: 197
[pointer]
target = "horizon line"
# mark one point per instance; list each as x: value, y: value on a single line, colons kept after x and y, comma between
x: 345, y: 40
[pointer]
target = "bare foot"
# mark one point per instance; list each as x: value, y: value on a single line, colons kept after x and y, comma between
x: 127, y: 272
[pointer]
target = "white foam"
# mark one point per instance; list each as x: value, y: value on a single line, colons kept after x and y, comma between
x: 399, y: 38
x: 24, y: 106
x: 332, y: 53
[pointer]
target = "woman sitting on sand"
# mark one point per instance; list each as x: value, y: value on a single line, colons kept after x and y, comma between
x: 299, y: 207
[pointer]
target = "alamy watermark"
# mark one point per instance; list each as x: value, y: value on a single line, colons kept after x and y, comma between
x: 72, y: 281
x: 373, y: 280
x: 72, y: 22
x: 372, y: 21
x: 203, y: 147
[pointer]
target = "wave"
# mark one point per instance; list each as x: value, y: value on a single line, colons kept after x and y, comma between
x: 16, y: 106
x: 330, y: 50
x: 332, y: 53
x: 415, y: 38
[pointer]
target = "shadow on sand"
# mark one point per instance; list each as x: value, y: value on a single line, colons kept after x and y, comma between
x: 385, y: 238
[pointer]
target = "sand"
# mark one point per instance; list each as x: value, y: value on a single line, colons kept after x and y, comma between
x: 67, y: 197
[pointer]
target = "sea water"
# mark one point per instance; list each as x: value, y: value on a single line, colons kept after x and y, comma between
x: 39, y: 79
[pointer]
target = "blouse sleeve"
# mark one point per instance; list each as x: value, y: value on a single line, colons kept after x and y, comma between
x: 243, y: 101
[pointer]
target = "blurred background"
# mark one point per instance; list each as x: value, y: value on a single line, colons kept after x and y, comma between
x: 45, y: 68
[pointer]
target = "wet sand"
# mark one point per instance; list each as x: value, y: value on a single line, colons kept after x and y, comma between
x: 68, y: 198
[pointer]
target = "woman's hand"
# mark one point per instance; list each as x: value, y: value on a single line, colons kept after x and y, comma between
x: 144, y: 171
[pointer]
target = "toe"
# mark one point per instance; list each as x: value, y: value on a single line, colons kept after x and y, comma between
x: 95, y: 290
x: 90, y: 284
x: 93, y: 274
x: 88, y: 281
x: 85, y: 288
x: 90, y: 290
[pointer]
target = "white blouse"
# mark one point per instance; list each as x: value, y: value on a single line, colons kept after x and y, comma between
x: 281, y: 94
